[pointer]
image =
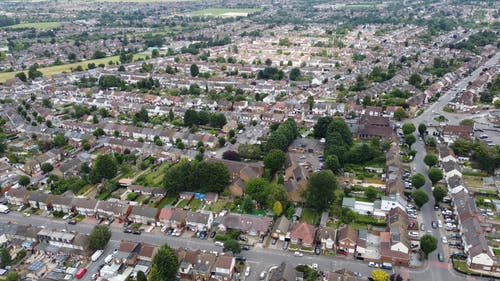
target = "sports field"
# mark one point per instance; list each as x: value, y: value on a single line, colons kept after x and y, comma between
x: 35, y: 25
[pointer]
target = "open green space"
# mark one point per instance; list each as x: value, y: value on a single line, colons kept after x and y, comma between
x: 224, y: 12
x: 155, y: 178
x: 56, y: 69
x: 166, y: 202
x: 310, y: 216
x: 35, y: 25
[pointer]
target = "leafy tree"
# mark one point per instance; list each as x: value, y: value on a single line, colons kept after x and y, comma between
x: 46, y: 167
x: 408, y: 128
x: 347, y: 215
x: 60, y: 140
x: 5, y: 258
x: 400, y: 114
x: 247, y: 205
x: 99, y: 237
x: 165, y: 264
x: 380, y: 275
x: 194, y: 70
x: 320, y: 191
x: 24, y: 180
x: 435, y: 175
x: 461, y: 147
x: 33, y: 72
x: 218, y: 120
x: 12, y: 276
x: 439, y: 193
x: 486, y: 156
x: 420, y: 197
x: 277, y: 208
x: 415, y: 79
x: 141, y: 276
x: 422, y: 128
x: 105, y: 167
x: 231, y: 155
x: 22, y: 76
x: 321, y: 126
x: 232, y: 245
x: 295, y: 74
x: 258, y: 189
x: 418, y: 180
x: 190, y: 118
x: 371, y: 193
x: 274, y: 160
x: 428, y: 244
x: 431, y: 159
x: 332, y: 163
x: 410, y: 139
x: 277, y: 140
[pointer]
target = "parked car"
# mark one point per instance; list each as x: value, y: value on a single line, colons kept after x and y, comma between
x: 422, y: 227
x: 219, y: 243
x: 285, y: 245
x: 245, y: 248
x: 273, y: 241
x: 262, y: 275
x: 315, y: 266
x: 372, y: 264
x: 127, y: 230
x: 455, y: 236
x: 440, y: 257
x: 444, y: 240
x: 247, y: 271
x: 72, y: 222
x: 342, y: 252
x: 298, y: 254
x: 100, y: 220
x: 434, y: 224
x: 212, y: 234
x: 261, y: 238
x: 240, y: 258
x: 137, y: 232
x: 459, y: 255
x: 317, y: 250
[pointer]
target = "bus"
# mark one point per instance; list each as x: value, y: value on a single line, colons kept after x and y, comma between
x: 80, y: 273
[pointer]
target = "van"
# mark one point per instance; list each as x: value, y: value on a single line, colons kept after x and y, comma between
x: 109, y: 258
x: 97, y: 254
x: 387, y: 266
x: 80, y: 273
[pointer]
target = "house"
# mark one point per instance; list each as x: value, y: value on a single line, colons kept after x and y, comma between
x: 326, y: 236
x: 285, y: 272
x: 143, y: 214
x: 147, y: 252
x: 302, y: 234
x: 453, y: 132
x: 204, y: 266
x: 178, y: 218
x: 280, y: 228
x: 223, y: 268
x: 147, y: 191
x: 393, y: 201
x: 346, y: 239
x: 63, y: 239
x: 18, y: 196
x: 164, y: 216
x: 374, y: 126
x: 451, y: 169
x: 247, y: 224
x: 61, y: 203
x: 112, y: 209
x: 198, y: 221
x: 38, y: 200
x: 240, y: 172
x: 211, y: 198
x: 84, y: 206
x: 128, y: 252
x: 359, y: 207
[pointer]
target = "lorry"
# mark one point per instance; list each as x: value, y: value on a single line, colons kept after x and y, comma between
x: 97, y: 254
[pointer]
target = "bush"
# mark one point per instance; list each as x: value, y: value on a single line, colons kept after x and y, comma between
x: 132, y: 196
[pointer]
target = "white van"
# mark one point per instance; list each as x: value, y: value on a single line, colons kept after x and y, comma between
x: 109, y: 258
x: 97, y: 254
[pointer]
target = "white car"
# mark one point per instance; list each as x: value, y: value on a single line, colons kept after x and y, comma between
x: 219, y: 243
x: 315, y: 266
x: 444, y: 240
x: 247, y: 271
x: 298, y: 254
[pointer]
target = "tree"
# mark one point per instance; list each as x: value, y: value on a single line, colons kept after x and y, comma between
x: 332, y: 163
x: 48, y: 123
x: 274, y: 160
x: 295, y: 74
x: 247, y: 205
x: 99, y: 237
x: 380, y: 275
x: 165, y: 264
x: 155, y: 53
x: 408, y: 128
x: 415, y: 79
x: 428, y: 244
x: 439, y: 193
x: 420, y: 197
x: 231, y: 155
x: 347, y: 215
x: 24, y: 181
x: 258, y: 189
x: 410, y: 139
x: 5, y: 258
x: 310, y: 102
x: 435, y: 175
x: 422, y: 129
x: 190, y: 118
x: 232, y: 245
x: 33, y: 72
x: 194, y: 70
x: 60, y: 140
x: 418, y: 180
x: 322, y: 126
x: 431, y: 159
x: 277, y: 208
x: 46, y: 167
x: 400, y: 114
x: 461, y: 147
x: 222, y: 141
x: 371, y: 193
x: 22, y: 76
x: 105, y: 167
x: 12, y: 276
x: 320, y: 191
x: 486, y: 156
x: 141, y: 276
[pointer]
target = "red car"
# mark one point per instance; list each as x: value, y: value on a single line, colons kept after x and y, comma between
x: 80, y: 273
x: 342, y: 252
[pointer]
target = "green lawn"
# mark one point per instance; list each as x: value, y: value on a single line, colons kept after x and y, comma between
x: 195, y: 204
x: 310, y: 216
x: 224, y: 12
x: 496, y: 252
x: 166, y: 202
x: 35, y: 25
x: 56, y: 69
x: 182, y: 203
x: 155, y: 178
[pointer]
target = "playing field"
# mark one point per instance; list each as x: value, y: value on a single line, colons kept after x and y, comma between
x: 224, y: 12
x: 56, y: 69
x: 35, y: 25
